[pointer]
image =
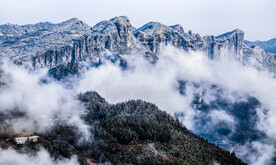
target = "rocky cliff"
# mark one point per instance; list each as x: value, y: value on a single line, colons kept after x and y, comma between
x: 115, y: 35
x: 73, y: 41
x: 266, y: 50
x: 23, y: 44
x: 227, y: 45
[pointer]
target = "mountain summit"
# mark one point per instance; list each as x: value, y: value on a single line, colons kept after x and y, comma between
x: 72, y: 42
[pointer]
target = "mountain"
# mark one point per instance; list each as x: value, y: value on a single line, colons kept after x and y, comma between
x: 135, y: 131
x: 269, y: 46
x: 74, y: 42
x: 132, y: 132
x: 23, y: 43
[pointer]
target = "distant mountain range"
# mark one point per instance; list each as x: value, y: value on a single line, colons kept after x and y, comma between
x: 269, y: 46
x: 74, y: 42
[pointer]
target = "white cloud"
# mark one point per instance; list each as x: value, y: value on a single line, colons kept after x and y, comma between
x: 42, y: 157
x: 154, y: 83
x: 158, y: 84
x: 257, y: 153
x: 42, y: 102
x: 220, y: 115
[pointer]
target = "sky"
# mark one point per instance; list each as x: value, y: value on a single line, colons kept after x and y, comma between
x: 206, y: 17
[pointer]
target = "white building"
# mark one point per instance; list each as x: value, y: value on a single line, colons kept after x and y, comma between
x: 23, y: 140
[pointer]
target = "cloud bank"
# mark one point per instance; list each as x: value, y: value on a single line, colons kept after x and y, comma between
x: 176, y: 83
x: 41, y: 100
x: 158, y: 84
x: 42, y: 157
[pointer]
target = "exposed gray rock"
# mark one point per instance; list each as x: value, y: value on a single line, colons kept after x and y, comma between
x: 231, y: 43
x: 73, y: 41
x: 40, y: 38
x: 153, y: 34
x: 227, y: 45
x: 125, y: 31
x: 254, y: 56
x: 194, y: 39
x: 11, y: 30
x: 178, y: 28
x: 115, y: 35
x: 270, y: 62
x: 211, y: 46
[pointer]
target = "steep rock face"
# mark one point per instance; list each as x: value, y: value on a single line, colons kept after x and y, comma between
x: 178, y: 28
x: 72, y: 41
x: 225, y: 45
x: 211, y: 46
x: 195, y: 39
x: 232, y: 43
x: 125, y: 31
x: 39, y: 38
x: 254, y: 56
x: 115, y: 35
x: 154, y: 33
x: 270, y: 62
x: 264, y: 51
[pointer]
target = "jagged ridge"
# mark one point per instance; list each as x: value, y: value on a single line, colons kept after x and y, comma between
x: 72, y: 41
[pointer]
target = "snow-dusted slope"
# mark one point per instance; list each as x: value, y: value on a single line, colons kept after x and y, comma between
x: 23, y: 43
x: 72, y: 41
